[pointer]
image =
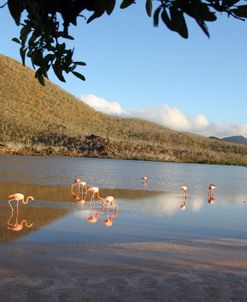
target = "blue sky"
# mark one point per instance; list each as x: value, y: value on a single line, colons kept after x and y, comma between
x: 195, y: 85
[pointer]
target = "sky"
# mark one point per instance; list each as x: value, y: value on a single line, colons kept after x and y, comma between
x: 196, y: 85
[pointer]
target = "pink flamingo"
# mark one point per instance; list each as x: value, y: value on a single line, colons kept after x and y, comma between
x: 109, y: 201
x: 95, y: 191
x: 75, y: 187
x: 82, y: 188
x: 18, y: 197
x: 211, y: 189
x: 145, y: 180
x: 184, y: 189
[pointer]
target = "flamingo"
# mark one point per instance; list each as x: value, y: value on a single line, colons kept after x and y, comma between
x: 184, y: 189
x: 211, y: 189
x: 75, y: 187
x: 80, y: 191
x: 94, y: 190
x: 145, y: 180
x: 18, y: 197
x: 109, y: 201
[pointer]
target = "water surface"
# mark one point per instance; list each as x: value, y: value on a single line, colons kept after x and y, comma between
x: 146, y: 212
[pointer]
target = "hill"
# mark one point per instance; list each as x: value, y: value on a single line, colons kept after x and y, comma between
x: 49, y: 121
x: 239, y: 139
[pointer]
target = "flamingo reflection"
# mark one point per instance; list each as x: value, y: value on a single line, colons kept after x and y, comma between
x: 182, y: 205
x: 18, y: 197
x: 108, y: 222
x: 93, y: 217
x: 211, y: 198
x: 16, y: 226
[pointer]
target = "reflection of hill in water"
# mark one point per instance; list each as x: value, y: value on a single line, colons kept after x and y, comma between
x: 62, y: 193
x: 40, y: 217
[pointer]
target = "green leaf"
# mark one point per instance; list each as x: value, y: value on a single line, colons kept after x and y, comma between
x: 40, y: 77
x: 156, y: 16
x: 203, y: 26
x: 241, y: 11
x: 37, y: 57
x: 58, y: 71
x: 23, y: 55
x: 203, y: 12
x: 16, y: 40
x: 78, y: 75
x: 167, y: 21
x: 178, y: 22
x: 149, y: 7
x: 110, y: 4
x: 126, y: 3
x: 229, y: 3
x: 15, y: 9
x: 80, y: 63
x: 94, y: 16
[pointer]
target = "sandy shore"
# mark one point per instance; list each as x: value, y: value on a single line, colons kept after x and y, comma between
x: 195, y: 270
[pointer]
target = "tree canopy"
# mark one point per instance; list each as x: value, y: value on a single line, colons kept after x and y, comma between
x: 44, y: 25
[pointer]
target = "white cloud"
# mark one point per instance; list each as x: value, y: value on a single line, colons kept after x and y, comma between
x: 102, y: 105
x: 170, y: 117
x: 173, y: 118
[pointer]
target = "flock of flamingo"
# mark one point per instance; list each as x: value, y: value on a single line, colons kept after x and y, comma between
x: 211, y: 197
x: 79, y: 191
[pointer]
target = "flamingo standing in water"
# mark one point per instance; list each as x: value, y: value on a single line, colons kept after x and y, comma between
x: 18, y: 197
x: 184, y: 189
x: 82, y: 188
x: 109, y: 201
x: 211, y: 189
x: 75, y: 187
x: 95, y: 191
x: 145, y: 180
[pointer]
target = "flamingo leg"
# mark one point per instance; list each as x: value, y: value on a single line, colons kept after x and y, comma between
x: 9, y: 201
x: 92, y: 199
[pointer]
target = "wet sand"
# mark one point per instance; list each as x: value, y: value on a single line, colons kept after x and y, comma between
x: 189, y: 270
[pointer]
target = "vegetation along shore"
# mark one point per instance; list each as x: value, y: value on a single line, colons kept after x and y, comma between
x: 46, y: 120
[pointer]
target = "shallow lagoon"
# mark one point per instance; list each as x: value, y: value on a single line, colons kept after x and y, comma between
x: 152, y: 243
x: 146, y: 211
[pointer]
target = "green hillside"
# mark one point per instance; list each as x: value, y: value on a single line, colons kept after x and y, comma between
x: 49, y: 121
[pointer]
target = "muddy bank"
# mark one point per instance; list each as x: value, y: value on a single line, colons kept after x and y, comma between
x: 196, y: 270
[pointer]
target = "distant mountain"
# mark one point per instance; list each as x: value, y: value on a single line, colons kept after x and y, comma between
x: 239, y: 139
x: 38, y: 120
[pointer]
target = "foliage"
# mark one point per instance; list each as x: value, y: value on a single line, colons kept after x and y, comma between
x: 45, y: 25
x: 49, y: 121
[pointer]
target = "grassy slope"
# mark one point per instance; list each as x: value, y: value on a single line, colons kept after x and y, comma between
x: 48, y: 120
